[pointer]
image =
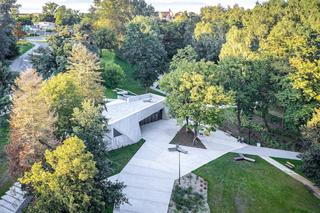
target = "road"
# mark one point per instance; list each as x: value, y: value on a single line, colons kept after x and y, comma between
x: 23, y: 62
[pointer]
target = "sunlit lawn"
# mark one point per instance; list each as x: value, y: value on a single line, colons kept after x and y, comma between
x: 24, y: 46
x: 240, y: 186
x: 129, y: 83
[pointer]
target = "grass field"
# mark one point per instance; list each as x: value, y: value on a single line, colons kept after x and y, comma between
x: 240, y: 186
x: 129, y: 83
x: 24, y: 46
x: 5, y: 181
x: 298, y: 166
x: 120, y: 157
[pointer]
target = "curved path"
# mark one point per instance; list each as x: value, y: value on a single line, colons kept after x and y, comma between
x: 22, y: 62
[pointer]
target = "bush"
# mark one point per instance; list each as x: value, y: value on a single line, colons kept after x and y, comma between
x: 187, y: 200
x: 311, y: 162
x: 113, y: 74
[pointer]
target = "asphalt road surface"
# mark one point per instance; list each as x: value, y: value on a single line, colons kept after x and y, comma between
x: 23, y: 62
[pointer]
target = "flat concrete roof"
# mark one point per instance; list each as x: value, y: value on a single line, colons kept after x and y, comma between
x: 120, y: 109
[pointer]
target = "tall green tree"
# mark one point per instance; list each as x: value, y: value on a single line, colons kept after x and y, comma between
x: 115, y: 14
x: 187, y: 54
x: 66, y: 16
x: 65, y: 182
x: 6, y: 83
x: 106, y: 39
x: 149, y: 59
x: 7, y: 24
x: 48, y: 11
x: 90, y: 125
x: 193, y: 97
x: 236, y: 74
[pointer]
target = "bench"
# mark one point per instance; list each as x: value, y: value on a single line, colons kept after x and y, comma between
x: 289, y: 165
x: 243, y: 157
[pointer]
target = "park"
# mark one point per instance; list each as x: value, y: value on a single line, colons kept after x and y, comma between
x: 129, y: 106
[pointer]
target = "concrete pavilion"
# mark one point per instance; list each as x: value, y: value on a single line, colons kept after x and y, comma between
x: 127, y: 114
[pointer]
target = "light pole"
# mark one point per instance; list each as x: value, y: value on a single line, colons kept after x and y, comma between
x: 179, y: 150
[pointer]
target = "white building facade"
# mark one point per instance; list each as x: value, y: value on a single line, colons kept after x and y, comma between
x: 127, y: 115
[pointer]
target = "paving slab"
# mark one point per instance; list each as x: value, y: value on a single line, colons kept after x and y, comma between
x: 151, y: 172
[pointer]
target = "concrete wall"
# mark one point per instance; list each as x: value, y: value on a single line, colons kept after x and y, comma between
x: 129, y: 127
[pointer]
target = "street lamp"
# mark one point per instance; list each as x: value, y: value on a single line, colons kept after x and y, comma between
x: 179, y: 150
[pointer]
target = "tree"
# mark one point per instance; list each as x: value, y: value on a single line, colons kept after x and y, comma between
x: 236, y: 74
x: 8, y: 42
x: 66, y: 91
x: 44, y: 62
x: 209, y: 39
x: 62, y: 93
x: 187, y: 54
x: 32, y: 125
x: 113, y: 74
x: 311, y: 159
x: 66, y: 16
x: 90, y: 125
x: 148, y: 59
x: 6, y: 81
x: 48, y: 11
x: 84, y: 66
x: 193, y: 97
x: 65, y: 183
x: 106, y: 39
x: 239, y: 43
x: 115, y: 14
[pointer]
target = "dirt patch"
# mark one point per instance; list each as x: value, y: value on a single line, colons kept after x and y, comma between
x: 185, y: 138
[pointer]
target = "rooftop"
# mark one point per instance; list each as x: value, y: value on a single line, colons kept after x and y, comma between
x: 122, y: 108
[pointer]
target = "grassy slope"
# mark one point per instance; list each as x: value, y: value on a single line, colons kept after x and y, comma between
x: 120, y: 157
x: 297, y: 163
x: 129, y: 83
x: 5, y: 181
x: 239, y: 186
x: 24, y: 47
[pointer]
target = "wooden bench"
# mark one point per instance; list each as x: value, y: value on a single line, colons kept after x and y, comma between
x: 289, y: 165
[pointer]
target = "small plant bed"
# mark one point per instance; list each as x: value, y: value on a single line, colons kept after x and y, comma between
x: 121, y: 157
x: 185, y: 138
x: 241, y: 186
x: 190, y: 195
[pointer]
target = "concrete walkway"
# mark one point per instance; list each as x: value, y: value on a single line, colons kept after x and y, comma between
x: 23, y: 62
x: 263, y: 151
x: 150, y: 174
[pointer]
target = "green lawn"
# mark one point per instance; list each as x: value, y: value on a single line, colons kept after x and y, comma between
x: 129, y: 83
x: 298, y: 166
x: 120, y: 157
x: 5, y: 181
x: 240, y: 186
x: 24, y: 46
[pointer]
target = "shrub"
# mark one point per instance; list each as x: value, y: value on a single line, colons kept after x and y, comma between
x: 311, y: 162
x: 113, y: 74
x: 187, y: 200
